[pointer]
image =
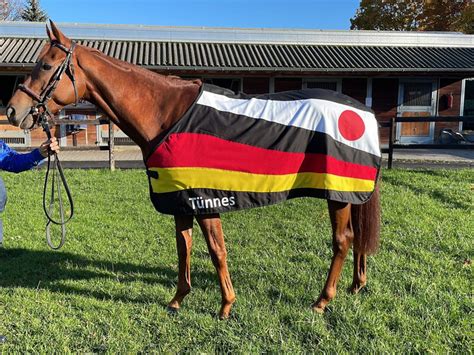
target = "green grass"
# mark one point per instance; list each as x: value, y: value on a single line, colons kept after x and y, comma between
x: 107, y: 289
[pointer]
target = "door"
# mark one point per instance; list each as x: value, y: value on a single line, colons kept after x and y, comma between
x: 467, y: 103
x: 416, y: 99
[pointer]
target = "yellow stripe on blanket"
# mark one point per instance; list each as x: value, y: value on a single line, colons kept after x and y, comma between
x: 177, y: 179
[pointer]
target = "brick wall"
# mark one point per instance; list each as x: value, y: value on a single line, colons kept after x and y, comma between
x: 447, y: 88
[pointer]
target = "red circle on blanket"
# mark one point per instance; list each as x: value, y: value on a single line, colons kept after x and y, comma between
x: 351, y: 125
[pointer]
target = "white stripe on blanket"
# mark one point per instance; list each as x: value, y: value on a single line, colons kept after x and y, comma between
x: 311, y: 114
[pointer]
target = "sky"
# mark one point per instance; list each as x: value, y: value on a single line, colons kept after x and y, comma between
x: 296, y: 14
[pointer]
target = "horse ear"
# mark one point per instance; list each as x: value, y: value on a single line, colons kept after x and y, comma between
x: 50, y: 35
x: 60, y: 37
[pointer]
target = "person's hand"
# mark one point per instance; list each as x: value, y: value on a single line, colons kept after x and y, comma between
x: 48, y: 147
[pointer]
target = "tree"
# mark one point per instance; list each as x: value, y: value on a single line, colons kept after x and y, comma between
x: 387, y: 15
x: 32, y: 12
x: 466, y: 22
x: 10, y: 10
x: 442, y: 15
x: 415, y: 15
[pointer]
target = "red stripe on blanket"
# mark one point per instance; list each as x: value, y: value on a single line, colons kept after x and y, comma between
x: 202, y: 150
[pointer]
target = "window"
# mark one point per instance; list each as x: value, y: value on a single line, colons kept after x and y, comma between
x: 8, y: 84
x: 226, y: 83
x: 285, y: 84
x: 328, y: 84
x: 256, y: 85
x: 417, y: 94
x: 76, y: 127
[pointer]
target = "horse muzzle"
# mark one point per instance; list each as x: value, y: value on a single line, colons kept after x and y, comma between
x: 23, y: 119
x: 10, y: 112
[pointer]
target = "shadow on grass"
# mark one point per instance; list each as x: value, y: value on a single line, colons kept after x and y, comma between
x: 46, y: 269
x: 416, y: 187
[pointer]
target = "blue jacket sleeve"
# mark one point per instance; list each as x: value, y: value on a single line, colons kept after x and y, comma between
x: 11, y: 160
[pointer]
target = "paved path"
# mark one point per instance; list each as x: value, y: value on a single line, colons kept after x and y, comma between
x: 130, y: 157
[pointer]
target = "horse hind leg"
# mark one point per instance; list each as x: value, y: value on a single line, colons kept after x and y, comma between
x: 342, y: 237
x: 212, y: 229
x: 359, y: 278
x: 366, y: 226
x: 184, y: 241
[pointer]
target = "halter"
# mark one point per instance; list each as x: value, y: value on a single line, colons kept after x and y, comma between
x: 67, y: 66
x: 58, y: 177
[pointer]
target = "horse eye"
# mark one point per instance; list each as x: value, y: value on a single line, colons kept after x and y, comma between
x: 46, y: 66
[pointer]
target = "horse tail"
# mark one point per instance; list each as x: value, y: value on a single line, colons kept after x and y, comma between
x: 366, y: 224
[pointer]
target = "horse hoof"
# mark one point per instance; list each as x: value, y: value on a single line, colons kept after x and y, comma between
x: 318, y: 310
x: 318, y: 307
x: 355, y: 289
x: 224, y: 315
x: 172, y: 310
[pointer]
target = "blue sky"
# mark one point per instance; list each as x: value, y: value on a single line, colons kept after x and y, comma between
x: 309, y: 14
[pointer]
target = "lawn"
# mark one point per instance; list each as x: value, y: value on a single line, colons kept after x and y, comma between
x: 107, y: 288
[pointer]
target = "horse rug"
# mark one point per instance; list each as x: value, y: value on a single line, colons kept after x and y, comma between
x: 230, y: 152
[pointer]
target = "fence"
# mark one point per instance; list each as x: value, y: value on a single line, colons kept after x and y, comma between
x: 392, y: 143
x: 99, y: 121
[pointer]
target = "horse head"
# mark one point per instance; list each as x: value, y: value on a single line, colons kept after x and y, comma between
x: 56, y: 81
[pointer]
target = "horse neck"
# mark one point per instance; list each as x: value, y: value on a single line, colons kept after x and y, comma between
x: 142, y: 103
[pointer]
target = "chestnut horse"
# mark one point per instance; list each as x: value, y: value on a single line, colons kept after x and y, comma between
x: 144, y: 104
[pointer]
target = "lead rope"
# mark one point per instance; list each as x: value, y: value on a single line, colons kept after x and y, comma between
x: 58, y: 175
x: 58, y: 178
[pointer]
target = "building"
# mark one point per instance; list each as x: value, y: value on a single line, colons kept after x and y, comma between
x: 396, y: 73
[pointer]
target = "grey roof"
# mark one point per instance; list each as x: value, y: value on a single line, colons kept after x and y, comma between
x: 241, y: 35
x: 210, y: 54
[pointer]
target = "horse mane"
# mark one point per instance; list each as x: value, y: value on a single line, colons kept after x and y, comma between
x: 128, y: 67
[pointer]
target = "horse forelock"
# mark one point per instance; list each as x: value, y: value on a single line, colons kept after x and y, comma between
x: 44, y: 50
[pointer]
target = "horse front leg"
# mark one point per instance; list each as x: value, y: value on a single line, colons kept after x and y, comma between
x: 342, y: 237
x: 184, y: 242
x: 212, y: 229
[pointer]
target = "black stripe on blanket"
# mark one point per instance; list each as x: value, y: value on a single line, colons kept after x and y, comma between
x: 203, y: 201
x: 268, y: 135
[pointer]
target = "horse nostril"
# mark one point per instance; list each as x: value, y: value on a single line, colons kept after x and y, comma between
x: 10, y: 112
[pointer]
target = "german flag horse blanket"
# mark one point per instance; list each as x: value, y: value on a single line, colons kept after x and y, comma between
x: 230, y: 152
